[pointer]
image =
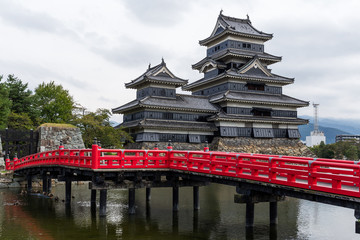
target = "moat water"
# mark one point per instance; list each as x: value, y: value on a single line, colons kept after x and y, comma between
x: 37, y: 217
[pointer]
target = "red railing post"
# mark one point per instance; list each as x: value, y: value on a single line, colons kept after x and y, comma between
x: 312, y: 180
x: 272, y: 172
x: 169, y: 148
x: 15, y: 161
x: 61, y: 152
x: 206, y: 148
x: 95, y: 155
x: 8, y: 163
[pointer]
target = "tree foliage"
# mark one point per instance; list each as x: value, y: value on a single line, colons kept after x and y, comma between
x: 340, y: 150
x: 19, y: 94
x: 20, y: 108
x: 5, y: 104
x: 97, y: 124
x: 21, y: 103
x: 53, y: 103
x: 19, y: 121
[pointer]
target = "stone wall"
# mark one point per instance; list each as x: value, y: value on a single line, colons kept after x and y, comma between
x: 275, y: 146
x: 50, y: 137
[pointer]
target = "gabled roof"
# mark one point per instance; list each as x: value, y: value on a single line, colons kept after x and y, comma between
x: 159, y: 74
x: 254, y: 67
x: 221, y: 116
x: 213, y: 64
x: 180, y: 103
x: 237, y: 53
x: 258, y: 98
x: 234, y: 26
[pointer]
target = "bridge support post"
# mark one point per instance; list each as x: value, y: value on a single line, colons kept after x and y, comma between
x: 103, y: 199
x: 49, y: 184
x: 357, y: 223
x: 131, y: 201
x: 148, y: 194
x: 175, y: 198
x: 93, y: 197
x: 45, y: 183
x: 273, y: 213
x: 67, y: 191
x: 196, y: 197
x: 250, y: 207
x: 29, y: 183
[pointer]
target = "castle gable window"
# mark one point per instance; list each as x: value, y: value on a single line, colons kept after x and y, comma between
x: 255, y: 86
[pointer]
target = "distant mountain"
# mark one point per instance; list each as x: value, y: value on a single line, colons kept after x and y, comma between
x: 330, y: 127
x: 348, y: 125
x: 330, y: 133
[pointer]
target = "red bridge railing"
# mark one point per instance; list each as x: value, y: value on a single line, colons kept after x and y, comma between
x: 326, y: 175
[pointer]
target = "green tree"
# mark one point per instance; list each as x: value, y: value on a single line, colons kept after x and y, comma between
x: 19, y: 94
x: 19, y: 121
x: 52, y: 103
x: 97, y: 124
x: 351, y: 152
x: 340, y: 150
x: 21, y: 104
x: 5, y: 104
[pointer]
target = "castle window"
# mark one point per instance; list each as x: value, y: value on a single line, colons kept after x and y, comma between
x: 262, y: 112
x: 244, y: 45
x: 248, y: 45
x: 255, y: 86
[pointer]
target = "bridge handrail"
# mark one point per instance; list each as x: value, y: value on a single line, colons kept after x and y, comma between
x: 327, y: 175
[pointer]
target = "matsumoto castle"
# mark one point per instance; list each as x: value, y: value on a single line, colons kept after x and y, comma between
x: 238, y: 96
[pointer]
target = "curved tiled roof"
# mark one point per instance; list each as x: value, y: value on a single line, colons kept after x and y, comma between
x: 229, y: 117
x: 181, y: 102
x: 260, y: 98
x: 238, y: 53
x: 152, y: 75
x: 236, y: 26
x: 170, y: 124
x: 234, y: 74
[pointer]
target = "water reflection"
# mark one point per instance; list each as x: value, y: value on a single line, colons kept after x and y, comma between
x: 37, y: 217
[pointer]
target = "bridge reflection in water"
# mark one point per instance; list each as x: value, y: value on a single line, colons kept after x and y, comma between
x: 258, y: 178
x: 218, y: 218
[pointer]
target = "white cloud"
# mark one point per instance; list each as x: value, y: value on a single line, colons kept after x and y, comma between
x: 94, y: 47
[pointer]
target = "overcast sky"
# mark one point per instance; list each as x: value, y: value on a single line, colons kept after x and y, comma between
x: 93, y: 47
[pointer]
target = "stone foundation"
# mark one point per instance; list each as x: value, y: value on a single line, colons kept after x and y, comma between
x: 275, y: 146
x: 50, y: 137
x: 163, y: 145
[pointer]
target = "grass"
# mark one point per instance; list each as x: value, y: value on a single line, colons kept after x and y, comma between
x: 57, y: 125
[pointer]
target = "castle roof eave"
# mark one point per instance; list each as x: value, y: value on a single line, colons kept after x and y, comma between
x: 152, y: 74
x: 200, y: 82
x: 209, y: 40
x: 135, y: 85
x: 230, y: 118
x: 199, y: 104
x: 237, y: 53
x: 170, y: 125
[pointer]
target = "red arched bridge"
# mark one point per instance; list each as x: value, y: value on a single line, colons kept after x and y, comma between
x: 257, y: 177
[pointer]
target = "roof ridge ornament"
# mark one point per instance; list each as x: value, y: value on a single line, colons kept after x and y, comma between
x: 149, y: 66
x: 162, y: 61
x: 248, y: 19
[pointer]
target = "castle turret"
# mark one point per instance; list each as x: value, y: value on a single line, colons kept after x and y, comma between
x: 237, y: 79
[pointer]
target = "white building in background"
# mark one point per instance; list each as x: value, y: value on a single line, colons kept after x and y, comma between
x: 316, y: 136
